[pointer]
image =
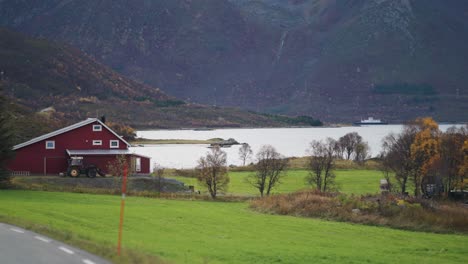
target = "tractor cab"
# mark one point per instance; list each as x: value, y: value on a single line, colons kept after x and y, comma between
x: 75, y: 161
x: 77, y: 167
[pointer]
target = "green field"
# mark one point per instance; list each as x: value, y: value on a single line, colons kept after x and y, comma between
x: 220, y: 232
x: 349, y: 181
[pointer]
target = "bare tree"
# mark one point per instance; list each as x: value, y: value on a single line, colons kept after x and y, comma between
x: 361, y: 152
x: 269, y: 170
x: 339, y: 150
x: 451, y: 157
x: 212, y: 172
x: 158, y: 171
x: 117, y: 167
x: 396, y: 156
x: 387, y: 172
x: 245, y: 153
x: 321, y: 164
x: 348, y: 143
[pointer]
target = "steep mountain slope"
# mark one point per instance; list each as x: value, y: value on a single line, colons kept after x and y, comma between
x: 337, y: 60
x: 54, y: 82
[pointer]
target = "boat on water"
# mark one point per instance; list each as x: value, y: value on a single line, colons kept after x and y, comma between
x: 370, y: 121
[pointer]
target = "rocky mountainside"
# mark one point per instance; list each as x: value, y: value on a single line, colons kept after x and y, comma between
x: 337, y: 60
x: 53, y: 85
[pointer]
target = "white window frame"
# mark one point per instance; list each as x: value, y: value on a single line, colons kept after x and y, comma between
x: 97, y: 128
x: 113, y: 141
x: 47, y: 144
x: 137, y: 164
x: 97, y: 142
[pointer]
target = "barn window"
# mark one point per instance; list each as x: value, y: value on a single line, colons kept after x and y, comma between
x: 137, y: 164
x: 114, y: 144
x: 97, y: 128
x: 97, y: 142
x: 50, y: 144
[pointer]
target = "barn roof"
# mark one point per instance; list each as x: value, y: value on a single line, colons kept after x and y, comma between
x: 86, y: 152
x: 66, y: 129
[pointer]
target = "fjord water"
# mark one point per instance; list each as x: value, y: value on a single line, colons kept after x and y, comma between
x: 290, y: 142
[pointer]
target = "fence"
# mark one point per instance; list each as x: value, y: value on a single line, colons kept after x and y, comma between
x: 19, y: 173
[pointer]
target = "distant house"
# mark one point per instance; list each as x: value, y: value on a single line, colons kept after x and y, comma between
x: 90, y: 139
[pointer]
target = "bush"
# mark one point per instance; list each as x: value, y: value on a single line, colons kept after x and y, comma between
x: 385, y: 210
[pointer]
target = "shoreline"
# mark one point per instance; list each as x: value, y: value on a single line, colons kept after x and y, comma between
x: 339, y: 125
x: 146, y: 141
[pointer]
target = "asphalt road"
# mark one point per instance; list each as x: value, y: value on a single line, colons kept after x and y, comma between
x: 19, y: 246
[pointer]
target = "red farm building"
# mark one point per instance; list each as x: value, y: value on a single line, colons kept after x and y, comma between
x: 90, y: 139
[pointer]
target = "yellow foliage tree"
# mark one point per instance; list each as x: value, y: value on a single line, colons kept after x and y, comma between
x: 127, y: 132
x: 425, y: 149
x: 463, y: 172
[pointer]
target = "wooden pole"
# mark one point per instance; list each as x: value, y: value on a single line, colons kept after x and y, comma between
x: 122, y: 207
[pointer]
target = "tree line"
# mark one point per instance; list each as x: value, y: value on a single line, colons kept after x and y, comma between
x: 426, y: 159
x: 420, y: 156
x: 270, y: 166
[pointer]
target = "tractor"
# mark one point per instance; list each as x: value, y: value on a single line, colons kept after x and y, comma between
x: 432, y: 186
x: 76, y: 168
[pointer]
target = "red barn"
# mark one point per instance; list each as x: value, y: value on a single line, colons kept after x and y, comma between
x: 90, y: 139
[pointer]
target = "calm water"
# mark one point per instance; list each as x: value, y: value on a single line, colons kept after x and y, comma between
x: 291, y: 142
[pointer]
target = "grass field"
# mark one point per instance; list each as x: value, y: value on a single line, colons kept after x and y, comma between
x: 349, y: 181
x: 217, y: 232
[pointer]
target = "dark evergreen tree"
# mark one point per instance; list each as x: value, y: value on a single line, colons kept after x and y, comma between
x: 6, y: 143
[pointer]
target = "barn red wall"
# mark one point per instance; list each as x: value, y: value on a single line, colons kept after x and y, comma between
x: 31, y: 158
x: 145, y: 164
x: 102, y: 161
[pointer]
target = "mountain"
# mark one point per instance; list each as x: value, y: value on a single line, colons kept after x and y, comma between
x: 338, y: 60
x: 54, y: 84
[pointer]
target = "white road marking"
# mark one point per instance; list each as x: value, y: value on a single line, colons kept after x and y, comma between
x: 43, y: 239
x: 87, y: 261
x: 17, y: 230
x: 64, y: 249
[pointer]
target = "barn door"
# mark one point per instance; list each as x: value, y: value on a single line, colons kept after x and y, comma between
x: 54, y: 165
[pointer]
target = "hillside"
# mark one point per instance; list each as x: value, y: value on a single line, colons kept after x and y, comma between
x: 53, y: 85
x: 336, y: 60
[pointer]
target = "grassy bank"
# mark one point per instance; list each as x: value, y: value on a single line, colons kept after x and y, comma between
x: 215, y: 232
x: 349, y: 181
x: 407, y: 213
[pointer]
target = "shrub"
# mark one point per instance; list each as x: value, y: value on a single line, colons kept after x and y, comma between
x: 386, y: 210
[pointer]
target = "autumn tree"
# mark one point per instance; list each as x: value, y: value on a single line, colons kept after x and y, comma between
x: 321, y: 164
x: 127, y: 132
x: 245, y: 153
x: 212, y: 172
x: 463, y: 170
x: 269, y: 169
x: 425, y: 150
